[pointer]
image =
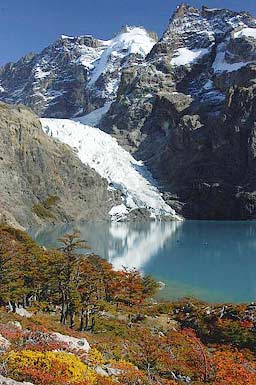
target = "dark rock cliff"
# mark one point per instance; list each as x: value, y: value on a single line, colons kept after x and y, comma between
x: 190, y: 113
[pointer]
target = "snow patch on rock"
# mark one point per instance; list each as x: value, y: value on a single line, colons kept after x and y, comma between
x: 187, y: 56
x: 221, y: 65
x: 248, y: 32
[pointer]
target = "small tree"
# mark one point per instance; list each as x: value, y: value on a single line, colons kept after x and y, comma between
x: 70, y: 274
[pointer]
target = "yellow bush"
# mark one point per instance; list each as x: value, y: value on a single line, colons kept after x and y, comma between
x: 57, y: 363
x: 95, y: 358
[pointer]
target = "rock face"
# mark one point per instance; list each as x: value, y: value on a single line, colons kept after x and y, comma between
x: 74, y: 75
x: 189, y: 112
x: 42, y: 180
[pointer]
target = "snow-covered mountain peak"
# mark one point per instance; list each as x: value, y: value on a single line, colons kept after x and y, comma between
x: 184, y: 9
x: 194, y: 36
x: 137, y: 40
x: 132, y: 43
x: 75, y: 74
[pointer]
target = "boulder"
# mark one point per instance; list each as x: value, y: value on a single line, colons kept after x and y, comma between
x: 72, y: 342
x: 9, y: 381
x: 4, y: 344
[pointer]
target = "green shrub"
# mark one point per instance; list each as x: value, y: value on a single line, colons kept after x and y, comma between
x: 43, y: 209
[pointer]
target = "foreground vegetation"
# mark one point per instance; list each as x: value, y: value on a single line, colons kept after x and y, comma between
x: 133, y: 340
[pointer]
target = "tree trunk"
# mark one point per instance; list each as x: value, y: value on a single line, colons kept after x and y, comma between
x: 86, y: 320
x: 93, y: 324
x: 72, y: 320
x: 14, y: 306
x: 81, y: 327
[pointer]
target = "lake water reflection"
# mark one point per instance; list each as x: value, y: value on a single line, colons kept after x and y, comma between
x: 213, y: 261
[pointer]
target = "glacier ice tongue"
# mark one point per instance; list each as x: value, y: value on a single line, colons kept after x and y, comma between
x: 101, y: 152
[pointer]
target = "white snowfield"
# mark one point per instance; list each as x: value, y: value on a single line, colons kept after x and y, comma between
x: 101, y: 152
x: 93, y: 118
x: 248, y: 32
x: 185, y: 56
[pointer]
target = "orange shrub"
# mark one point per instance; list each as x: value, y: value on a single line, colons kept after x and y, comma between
x: 232, y: 368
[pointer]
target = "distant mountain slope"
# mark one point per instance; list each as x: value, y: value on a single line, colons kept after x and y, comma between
x: 42, y: 180
x: 74, y: 75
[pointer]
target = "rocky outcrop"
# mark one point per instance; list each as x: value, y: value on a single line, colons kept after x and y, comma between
x: 42, y: 180
x: 4, y: 344
x: 72, y: 342
x: 189, y: 113
x: 9, y: 381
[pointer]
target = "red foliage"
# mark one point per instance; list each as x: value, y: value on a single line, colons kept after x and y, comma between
x: 233, y: 368
x: 43, y: 378
x: 12, y: 333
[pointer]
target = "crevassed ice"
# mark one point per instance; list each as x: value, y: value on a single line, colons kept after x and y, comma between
x: 101, y: 152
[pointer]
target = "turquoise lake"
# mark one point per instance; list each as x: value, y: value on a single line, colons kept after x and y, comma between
x: 213, y: 261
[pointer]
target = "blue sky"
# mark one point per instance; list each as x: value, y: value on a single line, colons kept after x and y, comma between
x: 30, y: 25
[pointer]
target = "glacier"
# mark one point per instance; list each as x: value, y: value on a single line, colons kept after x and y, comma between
x: 102, y: 152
